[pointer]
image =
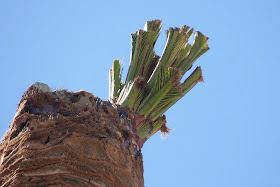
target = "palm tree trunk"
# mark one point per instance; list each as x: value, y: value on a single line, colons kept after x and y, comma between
x: 69, y: 139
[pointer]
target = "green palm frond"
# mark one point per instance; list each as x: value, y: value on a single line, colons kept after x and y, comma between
x: 153, y: 83
x: 175, y: 95
x: 166, y: 79
x: 149, y: 128
x: 115, y: 84
x: 142, y: 52
x: 177, y: 39
x: 200, y: 46
x: 132, y: 94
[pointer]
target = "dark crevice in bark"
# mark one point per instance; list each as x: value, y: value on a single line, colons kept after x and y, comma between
x: 47, y: 140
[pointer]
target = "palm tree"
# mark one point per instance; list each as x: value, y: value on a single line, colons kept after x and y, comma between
x: 75, y: 139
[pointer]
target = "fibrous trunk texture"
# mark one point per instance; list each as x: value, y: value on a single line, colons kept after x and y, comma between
x: 69, y: 139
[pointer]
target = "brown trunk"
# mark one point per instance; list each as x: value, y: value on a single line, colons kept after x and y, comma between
x: 69, y: 139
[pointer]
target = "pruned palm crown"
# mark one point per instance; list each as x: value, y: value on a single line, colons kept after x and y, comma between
x: 153, y: 83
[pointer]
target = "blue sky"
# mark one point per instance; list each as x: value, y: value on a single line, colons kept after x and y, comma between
x: 226, y: 131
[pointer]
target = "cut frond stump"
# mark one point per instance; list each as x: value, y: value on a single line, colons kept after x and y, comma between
x: 154, y: 83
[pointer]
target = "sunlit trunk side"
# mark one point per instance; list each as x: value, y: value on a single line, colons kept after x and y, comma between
x: 68, y: 139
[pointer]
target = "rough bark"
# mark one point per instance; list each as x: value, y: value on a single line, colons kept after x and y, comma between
x: 69, y: 139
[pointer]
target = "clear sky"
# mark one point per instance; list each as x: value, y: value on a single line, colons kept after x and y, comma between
x: 226, y: 131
